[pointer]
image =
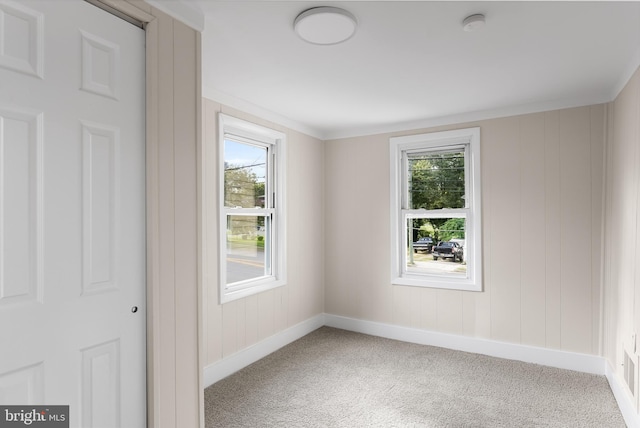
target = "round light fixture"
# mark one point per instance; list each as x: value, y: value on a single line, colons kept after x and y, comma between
x: 325, y: 25
x: 473, y: 22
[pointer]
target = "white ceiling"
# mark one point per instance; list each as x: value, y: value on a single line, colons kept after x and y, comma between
x: 410, y: 64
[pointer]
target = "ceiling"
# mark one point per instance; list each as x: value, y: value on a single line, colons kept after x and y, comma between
x: 410, y: 64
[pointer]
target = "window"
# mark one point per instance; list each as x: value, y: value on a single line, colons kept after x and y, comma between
x: 252, y: 207
x: 435, y: 210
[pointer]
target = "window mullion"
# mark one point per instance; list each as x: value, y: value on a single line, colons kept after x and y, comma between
x: 249, y: 211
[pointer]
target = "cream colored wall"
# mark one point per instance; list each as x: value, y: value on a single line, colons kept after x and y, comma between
x: 542, y: 215
x: 622, y: 244
x: 174, y: 370
x: 239, y: 324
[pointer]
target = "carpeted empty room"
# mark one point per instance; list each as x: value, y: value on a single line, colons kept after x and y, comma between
x: 337, y: 378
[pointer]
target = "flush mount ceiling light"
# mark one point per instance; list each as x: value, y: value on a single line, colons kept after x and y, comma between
x: 325, y: 25
x: 473, y: 22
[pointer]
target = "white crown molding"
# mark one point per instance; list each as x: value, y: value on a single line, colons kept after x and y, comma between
x: 250, y: 108
x: 626, y: 75
x: 469, y: 117
x: 184, y: 12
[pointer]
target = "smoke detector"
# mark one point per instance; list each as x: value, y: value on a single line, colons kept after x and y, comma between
x: 473, y: 22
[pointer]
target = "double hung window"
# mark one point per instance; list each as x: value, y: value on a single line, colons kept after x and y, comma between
x: 252, y: 235
x: 435, y: 210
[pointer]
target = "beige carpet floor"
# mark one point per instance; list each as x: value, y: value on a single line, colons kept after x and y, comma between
x: 336, y: 378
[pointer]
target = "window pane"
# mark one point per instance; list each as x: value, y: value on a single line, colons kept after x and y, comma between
x: 436, y: 180
x: 245, y: 167
x: 248, y: 240
x: 436, y: 246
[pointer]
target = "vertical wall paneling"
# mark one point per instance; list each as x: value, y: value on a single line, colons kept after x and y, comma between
x: 609, y: 293
x: 174, y: 394
x: 230, y: 331
x: 469, y: 313
x: 428, y: 309
x: 251, y: 320
x: 553, y: 226
x: 406, y: 306
x: 166, y: 227
x: 621, y: 276
x: 598, y: 137
x: 575, y: 246
x: 533, y: 226
x: 506, y: 229
x: 542, y: 192
x: 481, y: 325
x: 450, y: 311
x: 635, y: 138
x: 280, y: 314
x: 266, y: 314
x: 241, y: 323
x: 186, y: 118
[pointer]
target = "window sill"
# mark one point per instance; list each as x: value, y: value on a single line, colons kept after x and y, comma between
x: 251, y: 288
x: 446, y: 283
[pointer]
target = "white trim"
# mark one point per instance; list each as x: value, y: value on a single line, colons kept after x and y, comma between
x: 186, y: 12
x: 218, y: 96
x: 468, y: 117
x: 626, y: 75
x: 631, y: 417
x: 548, y: 357
x: 263, y: 113
x: 241, y: 359
x: 277, y: 141
x: 399, y: 147
x: 528, y: 354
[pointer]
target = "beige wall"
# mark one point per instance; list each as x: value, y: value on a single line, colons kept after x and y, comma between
x: 174, y: 372
x: 622, y: 244
x: 239, y: 324
x: 542, y: 215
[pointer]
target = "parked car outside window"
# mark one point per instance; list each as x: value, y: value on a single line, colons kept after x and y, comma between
x: 423, y: 244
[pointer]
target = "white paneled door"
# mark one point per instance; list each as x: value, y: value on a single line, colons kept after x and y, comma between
x: 72, y: 212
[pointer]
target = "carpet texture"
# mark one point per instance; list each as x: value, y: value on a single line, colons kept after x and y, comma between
x: 336, y: 378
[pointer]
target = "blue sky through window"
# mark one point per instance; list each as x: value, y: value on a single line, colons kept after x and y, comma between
x: 246, y: 156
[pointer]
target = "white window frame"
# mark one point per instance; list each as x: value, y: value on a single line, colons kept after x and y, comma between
x: 468, y: 138
x: 275, y: 141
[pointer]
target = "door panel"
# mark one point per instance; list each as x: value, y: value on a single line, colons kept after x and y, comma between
x: 72, y: 214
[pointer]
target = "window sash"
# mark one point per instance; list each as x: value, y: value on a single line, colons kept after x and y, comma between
x: 407, y: 215
x: 240, y: 131
x: 268, y: 255
x: 407, y: 155
x: 269, y: 162
x: 401, y: 150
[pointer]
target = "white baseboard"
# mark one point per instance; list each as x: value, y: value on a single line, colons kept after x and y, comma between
x: 530, y: 354
x: 241, y: 359
x: 631, y: 417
